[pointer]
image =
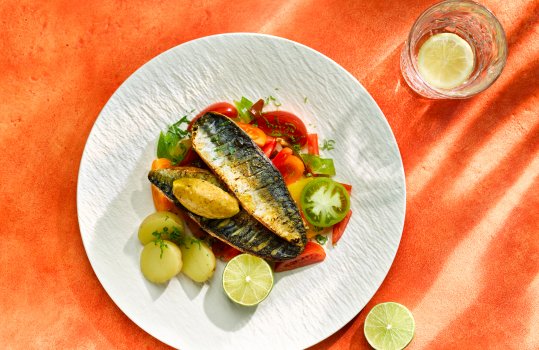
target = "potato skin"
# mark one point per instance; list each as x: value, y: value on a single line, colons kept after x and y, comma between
x: 205, y: 199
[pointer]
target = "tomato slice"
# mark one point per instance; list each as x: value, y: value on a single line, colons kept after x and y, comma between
x: 290, y: 166
x: 313, y: 253
x: 338, y: 228
x: 348, y: 188
x: 224, y: 108
x: 161, y: 163
x: 312, y: 144
x: 324, y: 202
x: 283, y: 124
x: 190, y: 158
x: 224, y: 251
x: 258, y: 136
x: 278, y: 160
x: 269, y: 147
x: 292, y: 169
x: 160, y: 201
x: 256, y: 109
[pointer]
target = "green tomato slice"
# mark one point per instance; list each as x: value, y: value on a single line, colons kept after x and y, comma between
x: 324, y: 202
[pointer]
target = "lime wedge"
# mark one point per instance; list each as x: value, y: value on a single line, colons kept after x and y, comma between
x: 389, y: 326
x: 445, y: 61
x: 247, y: 279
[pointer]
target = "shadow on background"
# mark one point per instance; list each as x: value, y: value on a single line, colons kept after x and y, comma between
x: 511, y: 265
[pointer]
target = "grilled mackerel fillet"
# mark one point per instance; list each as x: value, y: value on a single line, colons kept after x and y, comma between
x: 241, y: 231
x: 242, y: 166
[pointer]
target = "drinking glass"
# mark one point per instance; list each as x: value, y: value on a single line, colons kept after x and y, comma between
x: 473, y: 23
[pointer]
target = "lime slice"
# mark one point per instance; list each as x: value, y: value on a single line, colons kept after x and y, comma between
x: 445, y: 60
x: 247, y: 279
x: 389, y: 326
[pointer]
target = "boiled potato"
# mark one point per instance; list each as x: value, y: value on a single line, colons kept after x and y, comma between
x: 160, y: 261
x: 157, y: 222
x: 205, y: 199
x: 198, y: 260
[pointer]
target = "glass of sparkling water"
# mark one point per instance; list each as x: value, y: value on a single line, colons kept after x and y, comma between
x: 455, y: 49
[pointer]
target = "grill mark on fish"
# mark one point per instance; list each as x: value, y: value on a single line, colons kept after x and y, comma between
x: 273, y: 207
x: 241, y: 231
x: 250, y: 168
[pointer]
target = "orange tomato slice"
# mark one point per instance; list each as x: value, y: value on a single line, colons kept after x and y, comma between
x: 160, y: 201
x: 258, y: 136
x: 161, y: 163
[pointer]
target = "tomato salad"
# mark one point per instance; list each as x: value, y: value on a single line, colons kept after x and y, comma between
x: 283, y: 137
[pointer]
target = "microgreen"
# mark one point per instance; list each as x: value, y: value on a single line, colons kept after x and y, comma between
x: 328, y: 145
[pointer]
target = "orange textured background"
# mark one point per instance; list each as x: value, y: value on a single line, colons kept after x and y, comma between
x: 468, y: 264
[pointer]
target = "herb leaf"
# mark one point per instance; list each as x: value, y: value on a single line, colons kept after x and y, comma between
x: 271, y: 98
x: 161, y: 243
x: 174, y: 144
x: 328, y: 145
x: 174, y: 235
x: 176, y: 128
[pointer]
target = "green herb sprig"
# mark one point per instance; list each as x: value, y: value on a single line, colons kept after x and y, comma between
x: 175, y: 143
x: 160, y: 236
x: 273, y: 99
x: 328, y: 145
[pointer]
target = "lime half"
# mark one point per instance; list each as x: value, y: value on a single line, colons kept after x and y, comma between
x: 389, y: 326
x: 445, y: 60
x: 247, y: 279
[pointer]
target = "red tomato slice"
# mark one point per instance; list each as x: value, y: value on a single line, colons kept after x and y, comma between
x: 256, y: 109
x: 224, y: 251
x: 278, y: 160
x: 269, y: 147
x: 283, y: 124
x: 224, y: 108
x: 190, y: 157
x: 338, y: 228
x: 347, y: 187
x: 312, y: 144
x: 313, y: 253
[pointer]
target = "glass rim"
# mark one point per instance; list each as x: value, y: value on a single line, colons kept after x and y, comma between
x: 490, y: 15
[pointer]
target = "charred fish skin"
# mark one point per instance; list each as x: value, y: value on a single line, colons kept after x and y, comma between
x: 241, y: 231
x: 249, y: 174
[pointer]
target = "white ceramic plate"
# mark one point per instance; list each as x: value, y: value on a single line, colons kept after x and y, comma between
x: 306, y: 305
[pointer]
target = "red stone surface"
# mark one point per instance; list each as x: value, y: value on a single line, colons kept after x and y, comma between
x: 468, y: 264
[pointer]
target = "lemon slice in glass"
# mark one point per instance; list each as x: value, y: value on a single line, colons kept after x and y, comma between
x: 445, y: 61
x: 247, y: 279
x: 389, y: 326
